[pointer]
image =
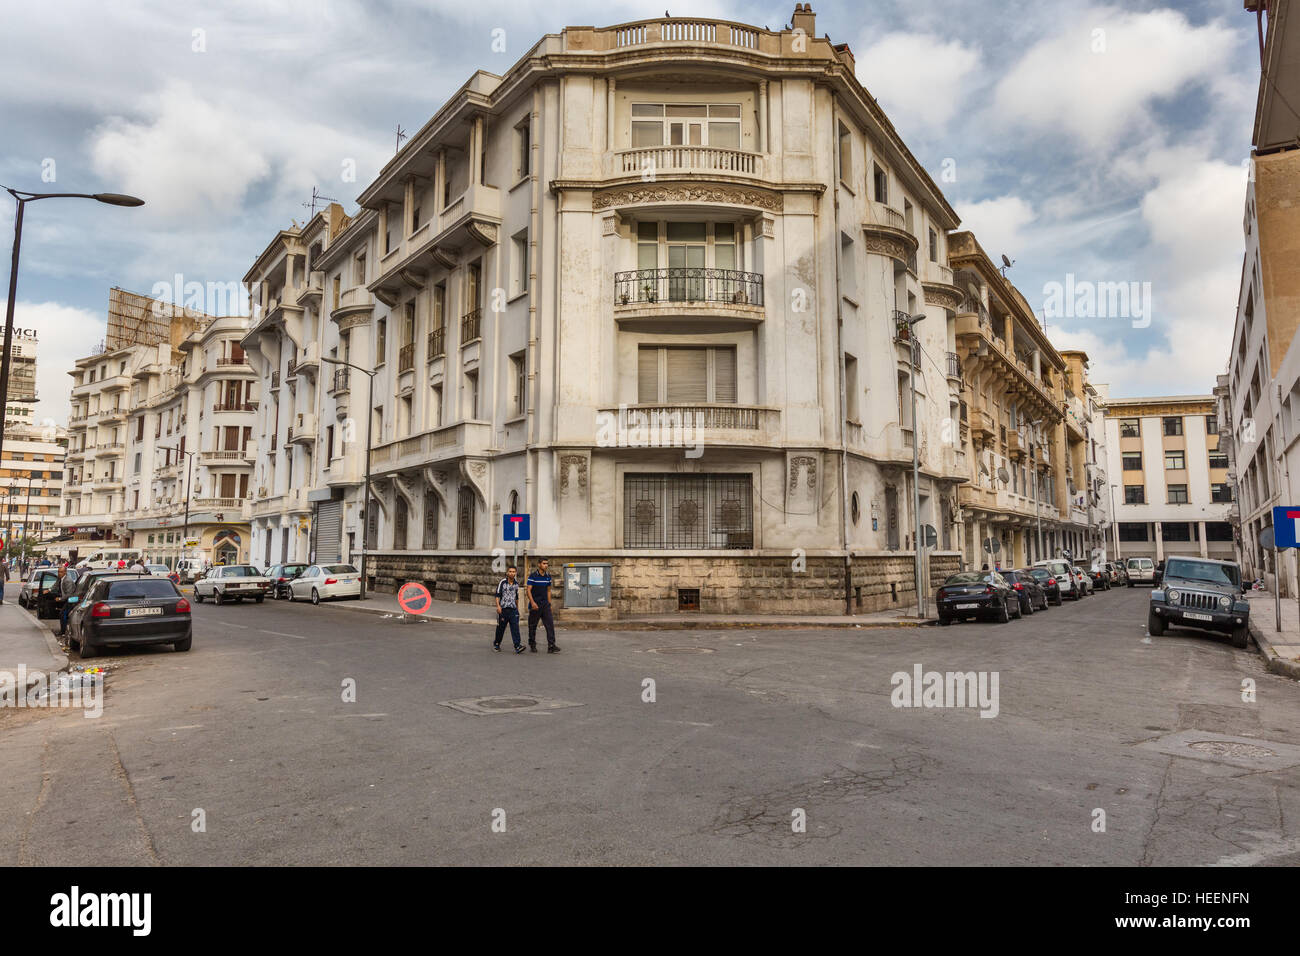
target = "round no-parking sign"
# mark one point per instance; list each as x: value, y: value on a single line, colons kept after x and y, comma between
x: 414, y: 598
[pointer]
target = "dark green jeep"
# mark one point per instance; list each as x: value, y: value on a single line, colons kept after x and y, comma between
x: 1198, y: 592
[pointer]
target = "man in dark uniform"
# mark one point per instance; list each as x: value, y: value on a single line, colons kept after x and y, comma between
x: 539, y: 607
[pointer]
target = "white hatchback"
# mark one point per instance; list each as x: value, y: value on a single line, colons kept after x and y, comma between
x: 321, y: 582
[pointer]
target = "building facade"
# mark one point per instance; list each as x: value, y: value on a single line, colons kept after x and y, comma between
x: 1170, y: 485
x: 1260, y: 392
x: 31, y: 482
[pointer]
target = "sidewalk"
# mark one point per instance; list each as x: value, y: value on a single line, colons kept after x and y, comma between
x: 24, y: 642
x: 1281, y: 650
x: 451, y: 612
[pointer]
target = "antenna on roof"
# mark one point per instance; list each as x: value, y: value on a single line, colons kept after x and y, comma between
x: 1006, y: 264
x: 401, y: 135
x: 316, y: 198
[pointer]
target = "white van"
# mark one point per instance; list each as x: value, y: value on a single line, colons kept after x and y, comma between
x: 1059, y: 568
x: 1141, y: 571
x: 189, y: 569
x: 109, y: 558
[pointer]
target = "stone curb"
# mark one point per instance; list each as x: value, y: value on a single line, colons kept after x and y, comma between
x: 632, y: 625
x: 51, y: 642
x: 1273, y: 662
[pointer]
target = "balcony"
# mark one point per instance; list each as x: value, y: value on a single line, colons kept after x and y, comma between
x: 224, y: 456
x: 676, y: 426
x: 909, y: 349
x: 232, y: 503
x: 463, y: 439
x: 342, y: 377
x: 954, y: 366
x: 304, y: 431
x: 654, y: 161
x: 112, y: 415
x: 355, y: 306
x: 109, y: 481
x: 984, y: 426
x: 688, y: 299
x: 235, y: 407
x: 471, y: 327
x: 437, y: 344
x: 239, y: 363
x: 308, y: 362
x: 406, y: 358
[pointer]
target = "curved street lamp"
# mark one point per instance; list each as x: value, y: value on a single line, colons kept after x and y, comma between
x: 365, y: 510
x: 23, y: 197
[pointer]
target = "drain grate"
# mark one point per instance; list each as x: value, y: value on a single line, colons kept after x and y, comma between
x: 1227, y: 748
x: 681, y: 650
x: 508, y: 703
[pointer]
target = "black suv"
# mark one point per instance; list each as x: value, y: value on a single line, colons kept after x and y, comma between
x: 1198, y: 592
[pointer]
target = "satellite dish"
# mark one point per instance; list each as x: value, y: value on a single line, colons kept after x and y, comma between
x: 1003, y: 475
x: 1006, y: 262
x: 984, y: 469
x: 992, y: 545
x: 930, y: 536
x: 1266, y: 539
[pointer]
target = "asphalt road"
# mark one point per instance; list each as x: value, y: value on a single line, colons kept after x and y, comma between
x: 747, y: 729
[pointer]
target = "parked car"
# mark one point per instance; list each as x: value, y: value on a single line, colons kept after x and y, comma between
x: 974, y: 594
x: 321, y: 582
x: 1029, y: 592
x: 232, y: 582
x: 1047, y: 581
x: 1140, y: 571
x: 189, y: 569
x: 40, y: 592
x: 1084, y: 580
x: 1202, y: 593
x: 1065, y: 578
x: 158, y: 570
x: 1100, y: 578
x: 131, y: 609
x: 281, y: 575
x: 1118, y: 577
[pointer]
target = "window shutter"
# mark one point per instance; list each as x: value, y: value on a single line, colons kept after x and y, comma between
x: 724, y: 375
x: 688, y: 376
x: 647, y: 376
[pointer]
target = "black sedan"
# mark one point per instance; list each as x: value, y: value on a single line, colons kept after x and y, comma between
x: 281, y: 576
x: 976, y: 594
x: 1047, y: 581
x: 131, y: 609
x: 1030, y: 593
x: 1100, y: 579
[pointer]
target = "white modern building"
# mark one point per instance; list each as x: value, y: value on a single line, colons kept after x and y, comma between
x: 1169, y: 478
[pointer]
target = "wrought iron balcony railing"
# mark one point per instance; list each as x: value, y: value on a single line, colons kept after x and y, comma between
x: 406, y: 357
x: 470, y: 326
x: 437, y: 344
x: 688, y: 284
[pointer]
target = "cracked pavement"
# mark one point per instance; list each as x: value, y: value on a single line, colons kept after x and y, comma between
x: 251, y: 729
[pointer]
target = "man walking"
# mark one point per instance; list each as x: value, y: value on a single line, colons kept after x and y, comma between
x: 508, y: 610
x: 539, y: 607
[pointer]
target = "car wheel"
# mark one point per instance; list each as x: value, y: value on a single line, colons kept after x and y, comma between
x: 1004, y: 614
x: 1155, y: 625
x: 183, y: 645
x: 315, y: 596
x: 259, y: 600
x: 1240, y: 636
x: 85, y: 650
x: 197, y: 596
x: 944, y: 621
x: 1059, y: 600
x: 217, y: 596
x: 1028, y: 608
x: 1130, y: 584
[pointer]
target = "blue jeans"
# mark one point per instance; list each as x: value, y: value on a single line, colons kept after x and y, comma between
x: 508, y: 615
x: 63, y: 617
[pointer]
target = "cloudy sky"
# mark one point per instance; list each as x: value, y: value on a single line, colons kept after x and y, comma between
x: 1103, y: 142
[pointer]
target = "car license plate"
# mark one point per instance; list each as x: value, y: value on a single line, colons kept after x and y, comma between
x: 967, y: 607
x: 142, y: 611
x: 1192, y: 616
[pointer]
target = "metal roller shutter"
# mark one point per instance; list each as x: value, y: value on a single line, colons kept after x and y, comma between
x: 329, y: 532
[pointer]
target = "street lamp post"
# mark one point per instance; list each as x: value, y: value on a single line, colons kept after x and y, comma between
x: 23, y: 198
x: 189, y: 485
x: 1114, y: 522
x: 365, y: 509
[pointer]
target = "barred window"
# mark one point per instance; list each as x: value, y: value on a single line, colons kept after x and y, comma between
x: 430, y: 521
x: 465, y: 519
x: 688, y: 511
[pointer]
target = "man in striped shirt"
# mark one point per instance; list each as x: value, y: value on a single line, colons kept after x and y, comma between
x: 508, y: 610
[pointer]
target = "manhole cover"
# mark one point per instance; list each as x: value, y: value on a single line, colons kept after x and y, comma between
x: 508, y: 703
x: 1226, y: 748
x: 681, y: 650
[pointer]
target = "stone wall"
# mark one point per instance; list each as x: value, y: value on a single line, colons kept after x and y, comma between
x: 727, y: 585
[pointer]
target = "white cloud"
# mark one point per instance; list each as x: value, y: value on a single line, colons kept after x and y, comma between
x: 912, y: 96
x: 64, y: 334
x: 1100, y: 76
x: 998, y: 223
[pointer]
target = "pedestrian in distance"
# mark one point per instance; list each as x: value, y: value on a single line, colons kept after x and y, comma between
x: 508, y: 610
x: 539, y: 607
x: 67, y: 587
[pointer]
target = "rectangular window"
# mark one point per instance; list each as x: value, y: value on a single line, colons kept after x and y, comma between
x: 683, y: 124
x: 471, y: 396
x: 1133, y: 531
x: 435, y: 411
x: 381, y: 341
x: 329, y: 447
x: 934, y: 246
x: 359, y: 270
x: 1211, y: 425
x: 1178, y: 494
x: 846, y: 154
x: 1175, y: 531
x: 519, y: 263
x: 1175, y: 460
x: 519, y: 399
x: 686, y: 375
x: 1130, y: 428
x: 880, y: 185
x: 523, y: 150
x: 697, y: 512
x: 1135, y: 495
x: 1218, y: 531
x: 850, y: 387
x: 1173, y: 425
x: 1220, y: 493
x: 1218, y: 460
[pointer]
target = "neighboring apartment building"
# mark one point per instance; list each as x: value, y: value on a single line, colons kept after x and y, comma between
x: 310, y: 305
x: 1169, y: 478
x: 31, y: 481
x: 647, y: 287
x: 157, y: 422
x: 20, y: 405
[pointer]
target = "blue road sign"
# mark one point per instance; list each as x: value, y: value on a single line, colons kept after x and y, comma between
x: 1286, y: 526
x: 516, y: 527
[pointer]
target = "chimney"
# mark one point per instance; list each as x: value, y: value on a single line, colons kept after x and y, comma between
x: 804, y: 19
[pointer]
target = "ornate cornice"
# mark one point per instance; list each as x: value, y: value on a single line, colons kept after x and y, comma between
x: 649, y: 193
x: 889, y: 241
x: 942, y: 294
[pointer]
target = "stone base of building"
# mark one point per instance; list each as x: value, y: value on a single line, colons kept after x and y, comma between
x: 726, y: 584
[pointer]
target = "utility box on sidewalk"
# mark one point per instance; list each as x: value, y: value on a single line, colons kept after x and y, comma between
x: 586, y: 585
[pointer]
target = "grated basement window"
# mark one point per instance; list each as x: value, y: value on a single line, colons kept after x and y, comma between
x: 688, y: 599
x: 695, y: 512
